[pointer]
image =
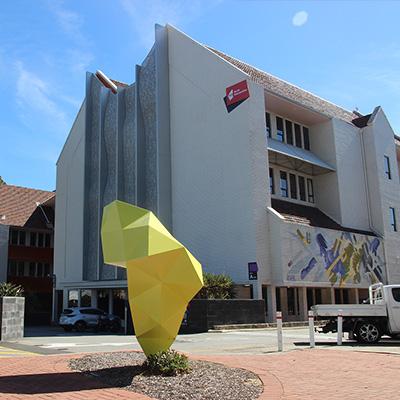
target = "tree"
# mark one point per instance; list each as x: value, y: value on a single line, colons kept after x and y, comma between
x: 217, y: 286
x: 2, y: 181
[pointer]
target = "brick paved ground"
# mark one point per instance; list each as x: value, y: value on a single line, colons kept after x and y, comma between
x: 301, y: 374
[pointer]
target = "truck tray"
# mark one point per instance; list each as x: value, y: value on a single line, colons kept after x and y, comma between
x: 350, y: 310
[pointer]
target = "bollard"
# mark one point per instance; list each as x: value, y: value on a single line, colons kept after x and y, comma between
x: 279, y: 329
x: 311, y: 328
x: 339, y: 328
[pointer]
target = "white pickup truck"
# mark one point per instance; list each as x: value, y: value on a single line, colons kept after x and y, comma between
x: 367, y: 322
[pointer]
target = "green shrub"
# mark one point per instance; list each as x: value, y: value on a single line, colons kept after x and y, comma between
x: 11, y: 290
x: 217, y: 286
x: 167, y: 363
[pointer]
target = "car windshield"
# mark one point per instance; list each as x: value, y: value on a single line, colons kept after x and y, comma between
x: 68, y: 311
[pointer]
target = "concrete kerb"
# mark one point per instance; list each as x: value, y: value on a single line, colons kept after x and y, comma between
x: 266, y: 326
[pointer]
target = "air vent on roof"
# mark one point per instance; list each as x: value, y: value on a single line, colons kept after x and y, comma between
x: 106, y: 81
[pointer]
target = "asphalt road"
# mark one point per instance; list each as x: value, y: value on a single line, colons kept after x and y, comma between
x: 256, y: 341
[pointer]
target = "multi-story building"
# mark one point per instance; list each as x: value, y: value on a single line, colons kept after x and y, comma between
x: 26, y: 247
x: 296, y: 198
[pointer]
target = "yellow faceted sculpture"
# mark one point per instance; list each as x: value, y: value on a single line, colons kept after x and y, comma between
x: 162, y: 274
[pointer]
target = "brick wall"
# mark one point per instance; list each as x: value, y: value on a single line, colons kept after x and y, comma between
x: 11, y: 318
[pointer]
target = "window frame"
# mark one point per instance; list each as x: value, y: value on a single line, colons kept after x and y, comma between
x: 310, y: 193
x: 303, y: 192
x: 306, y: 134
x: 268, y: 127
x: 387, y: 169
x: 271, y: 181
x: 281, y: 180
x: 298, y: 136
x: 293, y: 185
x: 281, y: 136
x: 392, y: 218
x: 289, y: 137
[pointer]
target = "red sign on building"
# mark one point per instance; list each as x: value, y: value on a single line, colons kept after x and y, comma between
x: 236, y: 94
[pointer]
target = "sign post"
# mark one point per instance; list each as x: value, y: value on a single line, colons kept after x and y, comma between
x: 279, y: 329
x: 311, y: 328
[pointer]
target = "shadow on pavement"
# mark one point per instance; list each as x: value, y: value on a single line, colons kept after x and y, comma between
x: 67, y: 381
x: 51, y: 331
x: 350, y: 344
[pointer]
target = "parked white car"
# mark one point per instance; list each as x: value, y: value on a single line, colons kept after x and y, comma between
x: 368, y: 322
x: 81, y: 318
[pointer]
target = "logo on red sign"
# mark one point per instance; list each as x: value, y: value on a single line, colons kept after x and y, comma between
x: 236, y: 94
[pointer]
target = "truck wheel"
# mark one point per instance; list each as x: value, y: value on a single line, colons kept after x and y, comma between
x: 368, y: 332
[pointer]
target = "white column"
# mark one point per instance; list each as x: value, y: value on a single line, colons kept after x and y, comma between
x: 257, y: 290
x: 357, y: 296
x: 93, y: 298
x: 284, y: 302
x: 65, y: 298
x: 303, y: 303
x: 110, y: 302
x: 332, y: 295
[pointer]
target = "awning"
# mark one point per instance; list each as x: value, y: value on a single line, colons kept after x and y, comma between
x: 296, y: 158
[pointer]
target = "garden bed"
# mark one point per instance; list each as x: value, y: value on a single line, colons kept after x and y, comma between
x: 206, y: 380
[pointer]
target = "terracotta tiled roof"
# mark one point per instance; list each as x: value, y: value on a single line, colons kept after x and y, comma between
x: 287, y: 90
x: 362, y: 121
x: 312, y: 216
x: 17, y: 203
x: 118, y: 83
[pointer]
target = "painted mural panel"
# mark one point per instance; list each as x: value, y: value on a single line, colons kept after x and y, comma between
x: 335, y: 257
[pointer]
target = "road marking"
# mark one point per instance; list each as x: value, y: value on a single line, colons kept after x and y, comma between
x: 7, y: 352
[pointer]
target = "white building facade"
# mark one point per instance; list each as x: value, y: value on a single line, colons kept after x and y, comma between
x: 282, y: 178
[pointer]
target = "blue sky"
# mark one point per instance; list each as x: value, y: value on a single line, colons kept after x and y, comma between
x: 347, y: 52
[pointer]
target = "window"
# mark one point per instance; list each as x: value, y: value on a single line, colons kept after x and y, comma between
x: 284, y: 184
x: 12, y: 268
x: 21, y: 269
x: 396, y: 294
x: 310, y: 190
x: 297, y: 134
x: 40, y: 240
x: 268, y: 124
x: 306, y: 138
x: 289, y: 132
x: 271, y: 181
x: 293, y: 301
x: 39, y: 269
x: 279, y: 129
x: 393, y: 219
x: 32, y: 239
x: 32, y: 269
x: 47, y: 270
x: 302, y: 188
x: 47, y: 240
x: 86, y: 298
x: 293, y: 186
x: 14, y: 237
x: 21, y: 240
x: 387, y: 167
x: 73, y: 298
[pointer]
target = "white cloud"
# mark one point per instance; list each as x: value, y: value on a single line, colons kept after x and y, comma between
x: 300, y: 18
x: 36, y: 99
x: 145, y: 14
x: 69, y: 21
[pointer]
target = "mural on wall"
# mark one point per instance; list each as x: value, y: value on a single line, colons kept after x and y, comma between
x: 338, y: 258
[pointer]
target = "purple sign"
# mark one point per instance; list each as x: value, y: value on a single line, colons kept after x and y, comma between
x: 253, y: 269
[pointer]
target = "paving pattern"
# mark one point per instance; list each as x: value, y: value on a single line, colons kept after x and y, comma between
x: 300, y: 374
